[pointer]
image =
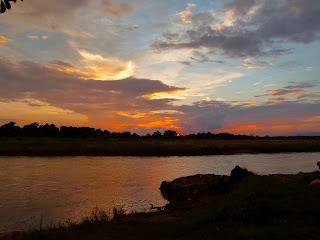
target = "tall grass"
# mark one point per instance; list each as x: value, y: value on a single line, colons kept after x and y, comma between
x: 97, y: 216
x: 150, y: 147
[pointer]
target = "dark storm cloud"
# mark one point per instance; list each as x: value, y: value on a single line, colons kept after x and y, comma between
x: 205, y: 115
x: 286, y: 112
x: 28, y: 79
x: 240, y: 6
x: 212, y: 115
x: 303, y: 85
x: 259, y: 28
x: 101, y: 101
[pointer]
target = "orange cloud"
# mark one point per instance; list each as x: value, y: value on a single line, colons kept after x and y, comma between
x: 258, y: 129
x: 68, y: 69
x: 3, y: 40
x: 186, y: 15
x: 163, y: 94
x: 31, y: 110
x: 97, y: 67
x: 119, y: 9
x: 134, y: 115
x: 107, y: 68
x: 309, y: 124
x: 138, y: 122
x: 150, y: 120
x: 161, y: 123
x: 242, y: 129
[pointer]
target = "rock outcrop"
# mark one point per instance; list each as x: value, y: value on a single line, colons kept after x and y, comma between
x: 188, y: 187
x: 185, y: 188
x: 315, y: 182
x: 238, y: 173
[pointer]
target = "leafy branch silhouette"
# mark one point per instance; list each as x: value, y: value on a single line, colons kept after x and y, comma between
x: 6, y: 5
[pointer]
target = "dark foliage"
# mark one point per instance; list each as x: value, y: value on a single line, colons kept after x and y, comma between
x: 6, y: 5
x: 10, y: 129
x: 50, y: 130
x: 170, y: 134
x: 238, y: 173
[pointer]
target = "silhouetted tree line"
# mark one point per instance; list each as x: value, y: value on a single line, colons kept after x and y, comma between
x: 50, y: 130
x: 6, y: 5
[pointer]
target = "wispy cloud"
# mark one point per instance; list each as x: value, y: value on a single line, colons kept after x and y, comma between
x: 186, y: 15
x: 3, y: 40
x: 297, y: 90
x: 257, y: 32
x: 118, y: 9
x: 97, y: 67
x: 251, y: 64
x: 37, y: 37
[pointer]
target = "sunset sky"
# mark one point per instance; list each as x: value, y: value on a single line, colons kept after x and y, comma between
x: 238, y: 66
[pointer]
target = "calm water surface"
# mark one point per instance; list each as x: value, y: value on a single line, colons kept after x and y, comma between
x: 57, y: 189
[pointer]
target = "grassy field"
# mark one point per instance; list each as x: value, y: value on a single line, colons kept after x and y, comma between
x: 257, y: 207
x: 149, y: 147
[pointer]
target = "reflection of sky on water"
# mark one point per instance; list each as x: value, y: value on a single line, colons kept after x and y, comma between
x: 62, y: 188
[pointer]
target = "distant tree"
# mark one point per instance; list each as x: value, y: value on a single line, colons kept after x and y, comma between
x: 125, y: 135
x: 170, y: 134
x: 135, y: 135
x: 6, y: 5
x: 157, y: 134
x: 48, y: 130
x: 9, y: 125
x: 31, y: 129
x: 66, y: 131
x: 99, y: 133
x: 10, y: 129
x: 85, y: 132
x: 77, y: 131
x: 106, y: 133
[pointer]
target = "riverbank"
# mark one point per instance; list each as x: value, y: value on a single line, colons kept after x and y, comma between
x: 150, y: 147
x: 250, y: 207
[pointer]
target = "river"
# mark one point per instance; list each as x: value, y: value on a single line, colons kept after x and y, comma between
x: 59, y: 188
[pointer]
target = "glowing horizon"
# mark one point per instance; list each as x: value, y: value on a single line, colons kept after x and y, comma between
x: 143, y: 66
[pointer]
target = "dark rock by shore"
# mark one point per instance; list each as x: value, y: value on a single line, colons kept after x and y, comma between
x: 185, y: 188
x: 188, y: 187
x: 238, y: 173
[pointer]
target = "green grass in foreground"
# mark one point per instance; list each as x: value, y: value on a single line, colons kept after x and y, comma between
x: 258, y: 207
x: 149, y: 147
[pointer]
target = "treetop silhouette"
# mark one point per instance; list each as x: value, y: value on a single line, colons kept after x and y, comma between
x: 50, y: 130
